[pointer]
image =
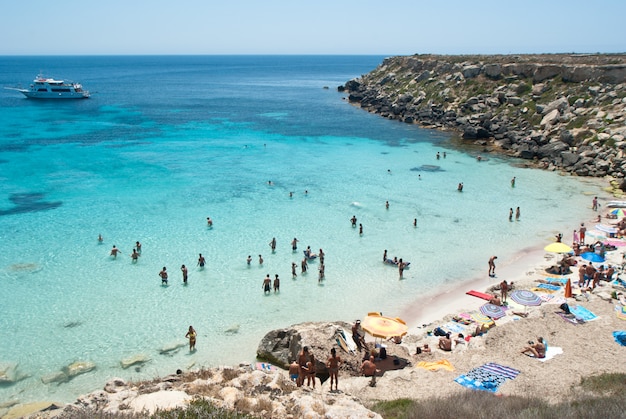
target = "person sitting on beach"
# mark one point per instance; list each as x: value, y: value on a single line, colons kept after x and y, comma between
x: 460, y: 339
x: 357, y: 335
x: 395, y: 339
x: 538, y: 350
x: 368, y: 368
x: 495, y: 300
x: 480, y: 330
x: 445, y: 343
x: 426, y: 349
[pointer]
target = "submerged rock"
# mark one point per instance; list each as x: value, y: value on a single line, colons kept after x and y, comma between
x: 138, y: 359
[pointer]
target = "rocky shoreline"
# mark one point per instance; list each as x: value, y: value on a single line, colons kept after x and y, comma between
x: 558, y: 111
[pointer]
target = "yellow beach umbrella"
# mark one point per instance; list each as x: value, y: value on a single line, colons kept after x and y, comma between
x: 558, y: 247
x: 384, y: 327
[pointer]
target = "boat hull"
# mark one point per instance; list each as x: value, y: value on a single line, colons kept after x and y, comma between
x: 54, y: 95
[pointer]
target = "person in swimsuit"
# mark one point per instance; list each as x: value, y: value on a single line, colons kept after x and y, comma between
x: 163, y: 275
x: 310, y: 365
x: 201, y: 261
x: 353, y: 220
x: 293, y: 270
x: 492, y: 265
x: 276, y: 284
x: 293, y: 371
x: 385, y: 256
x: 267, y: 284
x: 333, y: 364
x: 249, y: 259
x: 538, y: 350
x: 303, y: 358
x: 304, y: 265
x: 100, y: 239
x: 114, y: 252
x: 321, y: 256
x: 273, y: 244
x: 260, y: 260
x: 191, y: 335
x: 184, y: 270
x: 138, y: 247
x: 294, y: 244
x: 401, y: 266
x: 134, y: 256
x: 209, y: 222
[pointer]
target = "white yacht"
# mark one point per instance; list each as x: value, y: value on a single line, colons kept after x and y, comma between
x: 48, y: 88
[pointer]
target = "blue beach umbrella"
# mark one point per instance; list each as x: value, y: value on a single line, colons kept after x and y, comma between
x: 592, y: 257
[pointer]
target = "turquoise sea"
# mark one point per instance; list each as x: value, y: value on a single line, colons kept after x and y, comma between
x: 164, y: 143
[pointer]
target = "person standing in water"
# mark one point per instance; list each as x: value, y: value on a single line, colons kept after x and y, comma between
x: 138, y: 247
x: 517, y: 214
x: 191, y: 335
x: 294, y: 244
x: 492, y: 265
x: 304, y: 265
x: 513, y: 182
x: 184, y: 271
x: 293, y: 270
x: 100, y: 239
x: 201, y: 261
x: 163, y: 275
x: 267, y: 283
x: 134, y: 256
x: 273, y: 244
x: 114, y: 252
x: 276, y: 284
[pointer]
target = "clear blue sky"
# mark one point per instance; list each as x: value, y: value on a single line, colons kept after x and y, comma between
x: 401, y: 27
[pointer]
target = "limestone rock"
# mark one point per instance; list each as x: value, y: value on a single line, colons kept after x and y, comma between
x: 79, y: 367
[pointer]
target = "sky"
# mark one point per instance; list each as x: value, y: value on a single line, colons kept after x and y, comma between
x: 400, y: 27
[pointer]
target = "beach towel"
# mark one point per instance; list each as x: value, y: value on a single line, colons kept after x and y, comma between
x: 582, y: 313
x: 560, y: 280
x: 454, y: 327
x: 435, y: 366
x: 549, y: 287
x: 570, y: 318
x: 546, y: 298
x: 558, y: 300
x: 488, y: 377
x: 538, y: 290
x: 620, y: 311
x: 479, y: 295
x: 620, y: 337
x: 551, y: 353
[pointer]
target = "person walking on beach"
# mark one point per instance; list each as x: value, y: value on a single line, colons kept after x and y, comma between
x: 114, y: 252
x: 276, y: 284
x: 517, y: 214
x: 293, y: 269
x: 163, y: 275
x: 492, y: 265
x: 183, y: 268
x: 333, y: 363
x: 368, y: 368
x: 201, y: 261
x: 304, y: 265
x: 582, y: 230
x: 273, y: 244
x: 191, y: 335
x: 594, y: 203
x: 575, y: 238
x: 303, y: 358
x: 294, y: 244
x: 504, y: 290
x: 267, y: 283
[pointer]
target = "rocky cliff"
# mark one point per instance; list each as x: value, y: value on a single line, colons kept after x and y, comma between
x: 562, y: 112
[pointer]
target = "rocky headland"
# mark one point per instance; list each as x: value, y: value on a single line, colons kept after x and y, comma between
x: 558, y: 111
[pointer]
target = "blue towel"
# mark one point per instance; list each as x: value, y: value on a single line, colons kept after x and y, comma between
x: 549, y: 287
x: 582, y: 313
x: 488, y: 377
x: 620, y: 337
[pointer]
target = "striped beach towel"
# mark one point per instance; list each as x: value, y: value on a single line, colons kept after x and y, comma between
x: 488, y: 377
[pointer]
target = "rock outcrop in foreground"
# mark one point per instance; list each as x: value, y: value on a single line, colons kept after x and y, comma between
x: 563, y: 112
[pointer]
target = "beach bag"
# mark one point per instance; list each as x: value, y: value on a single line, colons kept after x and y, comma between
x: 383, y: 353
x: 439, y: 332
x: 418, y: 351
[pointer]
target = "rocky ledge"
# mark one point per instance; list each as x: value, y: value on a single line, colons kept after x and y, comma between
x: 562, y: 112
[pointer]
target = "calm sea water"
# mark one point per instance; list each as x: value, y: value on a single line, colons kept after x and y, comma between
x: 166, y: 142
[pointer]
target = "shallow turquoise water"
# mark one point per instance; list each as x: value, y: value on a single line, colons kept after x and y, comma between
x: 152, y: 166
